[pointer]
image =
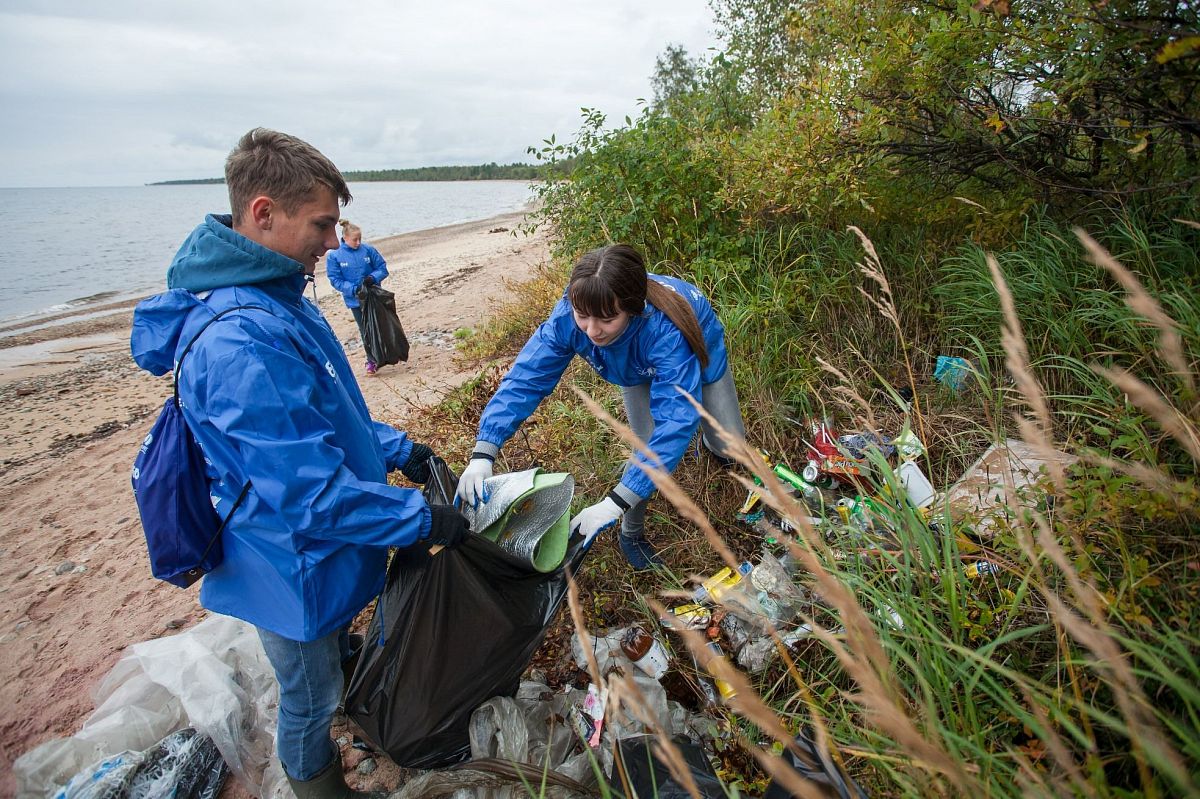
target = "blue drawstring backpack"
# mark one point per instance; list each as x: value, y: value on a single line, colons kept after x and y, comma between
x: 170, y: 485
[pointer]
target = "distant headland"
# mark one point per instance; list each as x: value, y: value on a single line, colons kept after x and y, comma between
x: 478, y: 172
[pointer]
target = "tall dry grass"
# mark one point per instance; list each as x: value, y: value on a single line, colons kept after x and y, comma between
x: 1062, y: 695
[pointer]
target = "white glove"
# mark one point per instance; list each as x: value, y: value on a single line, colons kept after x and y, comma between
x: 471, y: 490
x: 596, y: 518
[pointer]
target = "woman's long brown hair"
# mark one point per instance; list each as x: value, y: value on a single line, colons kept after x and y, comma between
x: 613, y: 278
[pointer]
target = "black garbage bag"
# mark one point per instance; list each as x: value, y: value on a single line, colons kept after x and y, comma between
x: 450, y: 631
x: 383, y: 335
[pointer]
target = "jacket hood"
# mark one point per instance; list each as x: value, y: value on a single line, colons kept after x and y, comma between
x: 215, y: 255
x: 158, y: 323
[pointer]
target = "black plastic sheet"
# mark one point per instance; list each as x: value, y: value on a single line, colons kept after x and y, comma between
x: 450, y: 631
x: 651, y: 778
x: 383, y: 335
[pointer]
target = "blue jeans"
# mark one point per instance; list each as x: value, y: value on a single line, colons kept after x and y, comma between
x: 310, y: 687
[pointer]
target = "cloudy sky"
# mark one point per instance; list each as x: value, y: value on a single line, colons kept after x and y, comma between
x: 125, y: 92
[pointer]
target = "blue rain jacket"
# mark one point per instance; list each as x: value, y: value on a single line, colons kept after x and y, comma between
x: 270, y: 398
x: 650, y: 350
x: 346, y: 269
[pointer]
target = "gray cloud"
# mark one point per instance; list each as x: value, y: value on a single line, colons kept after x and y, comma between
x: 129, y: 92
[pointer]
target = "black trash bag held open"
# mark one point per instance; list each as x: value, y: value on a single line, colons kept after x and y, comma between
x: 383, y: 335
x: 450, y: 632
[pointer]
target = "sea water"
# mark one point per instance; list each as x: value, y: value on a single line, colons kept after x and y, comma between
x: 70, y: 248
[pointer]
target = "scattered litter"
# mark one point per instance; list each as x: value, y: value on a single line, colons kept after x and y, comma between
x: 908, y: 445
x: 951, y: 371
x: 692, y: 616
x: 981, y: 490
x: 713, y: 588
x: 814, y: 764
x: 858, y: 444
x: 645, y: 651
x: 712, y: 665
x: 649, y: 776
x: 979, y: 569
x: 916, y: 485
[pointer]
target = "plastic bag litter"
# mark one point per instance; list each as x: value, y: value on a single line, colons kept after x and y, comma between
x: 668, y: 715
x: 813, y: 764
x: 383, y: 335
x: 213, y: 677
x: 184, y: 764
x: 530, y: 736
x: 952, y: 371
x: 651, y: 778
x: 450, y: 631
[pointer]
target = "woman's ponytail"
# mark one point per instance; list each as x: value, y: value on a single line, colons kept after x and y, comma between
x: 680, y: 312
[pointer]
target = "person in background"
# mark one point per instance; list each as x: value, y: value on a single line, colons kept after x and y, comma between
x: 649, y: 334
x: 349, y: 267
x: 271, y: 400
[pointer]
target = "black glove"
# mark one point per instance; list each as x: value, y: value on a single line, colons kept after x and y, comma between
x: 447, y: 527
x: 417, y: 468
x: 368, y: 281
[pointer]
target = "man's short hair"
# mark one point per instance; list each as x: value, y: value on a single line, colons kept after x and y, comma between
x: 282, y: 167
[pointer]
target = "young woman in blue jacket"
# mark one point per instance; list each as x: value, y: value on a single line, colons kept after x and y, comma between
x: 349, y: 267
x: 649, y: 334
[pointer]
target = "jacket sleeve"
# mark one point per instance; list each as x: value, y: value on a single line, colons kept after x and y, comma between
x: 675, y: 419
x: 333, y: 271
x: 396, y: 446
x: 294, y: 457
x: 380, y: 272
x: 535, y: 373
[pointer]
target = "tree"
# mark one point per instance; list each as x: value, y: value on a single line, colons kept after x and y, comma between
x: 675, y: 76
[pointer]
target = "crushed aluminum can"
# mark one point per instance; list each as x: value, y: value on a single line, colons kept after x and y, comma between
x: 980, y: 568
x: 692, y: 616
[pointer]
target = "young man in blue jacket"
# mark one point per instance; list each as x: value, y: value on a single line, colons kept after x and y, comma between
x: 271, y: 400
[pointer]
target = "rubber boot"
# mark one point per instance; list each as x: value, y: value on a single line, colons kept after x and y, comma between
x: 330, y: 783
x: 638, y: 552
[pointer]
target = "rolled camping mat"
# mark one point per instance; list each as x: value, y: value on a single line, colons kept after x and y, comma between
x: 528, y: 515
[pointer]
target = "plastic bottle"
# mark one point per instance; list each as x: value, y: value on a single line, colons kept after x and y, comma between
x: 916, y: 485
x: 726, y: 690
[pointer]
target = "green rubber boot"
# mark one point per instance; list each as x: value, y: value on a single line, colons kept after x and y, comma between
x: 330, y: 783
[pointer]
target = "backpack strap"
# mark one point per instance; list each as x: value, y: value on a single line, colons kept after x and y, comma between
x: 175, y: 386
x: 225, y: 520
x: 188, y: 348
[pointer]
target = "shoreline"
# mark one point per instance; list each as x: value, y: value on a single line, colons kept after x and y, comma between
x: 13, y: 325
x: 38, y: 344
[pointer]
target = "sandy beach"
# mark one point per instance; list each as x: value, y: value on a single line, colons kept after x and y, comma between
x: 75, y: 585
